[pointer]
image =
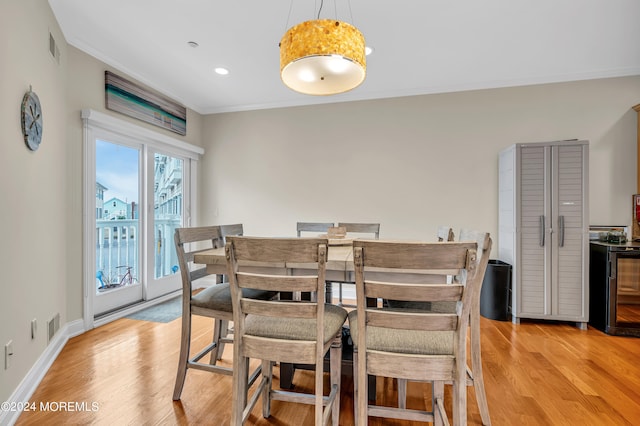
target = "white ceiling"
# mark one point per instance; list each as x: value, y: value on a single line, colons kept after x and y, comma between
x: 421, y: 46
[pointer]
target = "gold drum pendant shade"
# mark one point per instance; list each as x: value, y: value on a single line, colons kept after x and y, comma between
x: 322, y: 57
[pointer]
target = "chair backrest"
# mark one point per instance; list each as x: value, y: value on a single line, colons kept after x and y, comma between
x: 246, y: 255
x: 188, y: 242
x: 393, y: 270
x: 234, y: 229
x: 445, y: 233
x: 483, y: 239
x: 362, y: 228
x: 313, y: 227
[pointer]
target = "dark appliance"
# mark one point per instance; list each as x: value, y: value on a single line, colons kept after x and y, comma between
x: 614, y: 287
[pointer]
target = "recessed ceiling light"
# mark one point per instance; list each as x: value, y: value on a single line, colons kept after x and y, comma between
x: 368, y: 50
x: 221, y: 71
x: 192, y: 44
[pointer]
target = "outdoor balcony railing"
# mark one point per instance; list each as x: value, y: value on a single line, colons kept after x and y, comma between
x: 118, y: 245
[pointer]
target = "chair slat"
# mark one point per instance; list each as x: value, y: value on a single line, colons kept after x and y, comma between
x: 277, y: 282
x: 412, y: 320
x: 408, y: 366
x: 279, y: 308
x: 414, y: 292
x: 313, y: 227
x: 277, y: 249
x: 445, y: 255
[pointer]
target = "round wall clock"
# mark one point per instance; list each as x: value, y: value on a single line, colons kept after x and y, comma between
x: 31, y: 118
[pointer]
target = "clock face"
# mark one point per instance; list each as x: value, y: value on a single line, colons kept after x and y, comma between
x: 31, y: 115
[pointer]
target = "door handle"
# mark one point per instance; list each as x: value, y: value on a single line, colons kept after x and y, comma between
x: 561, y: 226
x: 542, y: 231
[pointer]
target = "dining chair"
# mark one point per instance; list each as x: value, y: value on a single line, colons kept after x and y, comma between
x: 283, y: 331
x: 363, y: 230
x: 475, y: 376
x: 414, y: 344
x: 312, y: 227
x: 213, y: 301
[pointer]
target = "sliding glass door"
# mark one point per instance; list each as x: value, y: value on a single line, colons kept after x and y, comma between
x: 138, y: 191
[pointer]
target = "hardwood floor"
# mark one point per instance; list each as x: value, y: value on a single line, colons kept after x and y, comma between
x: 535, y: 374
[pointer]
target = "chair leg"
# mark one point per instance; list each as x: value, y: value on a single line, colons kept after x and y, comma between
x: 216, y: 354
x: 224, y: 331
x: 336, y: 374
x: 240, y: 385
x: 319, y: 388
x: 267, y: 374
x: 476, y: 367
x: 355, y: 386
x: 459, y: 416
x: 437, y: 400
x: 363, y: 392
x: 185, y: 345
x: 402, y: 393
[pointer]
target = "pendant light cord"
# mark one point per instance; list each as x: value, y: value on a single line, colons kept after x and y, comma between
x: 286, y: 27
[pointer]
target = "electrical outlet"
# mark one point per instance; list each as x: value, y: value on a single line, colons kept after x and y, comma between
x: 34, y: 328
x: 8, y: 354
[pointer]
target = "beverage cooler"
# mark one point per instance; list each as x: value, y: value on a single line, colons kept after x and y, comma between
x: 614, y: 286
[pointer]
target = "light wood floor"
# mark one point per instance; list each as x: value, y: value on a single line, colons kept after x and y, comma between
x: 535, y: 373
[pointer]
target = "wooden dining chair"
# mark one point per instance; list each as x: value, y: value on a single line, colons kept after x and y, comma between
x: 364, y: 230
x: 413, y: 344
x: 475, y: 376
x: 213, y: 301
x: 283, y: 331
x: 317, y: 227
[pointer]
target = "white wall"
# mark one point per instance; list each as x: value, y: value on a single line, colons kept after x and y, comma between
x: 33, y: 254
x: 411, y: 163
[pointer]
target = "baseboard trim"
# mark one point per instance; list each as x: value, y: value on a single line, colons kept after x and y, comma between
x: 30, y: 383
x: 112, y: 316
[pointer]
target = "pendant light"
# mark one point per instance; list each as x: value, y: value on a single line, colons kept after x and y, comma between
x: 322, y: 57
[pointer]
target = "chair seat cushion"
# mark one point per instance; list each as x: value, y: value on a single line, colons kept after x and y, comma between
x: 296, y: 328
x: 218, y: 297
x: 404, y: 341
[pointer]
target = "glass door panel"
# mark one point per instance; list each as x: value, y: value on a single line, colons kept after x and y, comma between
x: 119, y: 239
x: 628, y: 285
x: 168, y: 214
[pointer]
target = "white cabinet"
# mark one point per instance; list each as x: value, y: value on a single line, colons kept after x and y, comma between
x: 544, y: 229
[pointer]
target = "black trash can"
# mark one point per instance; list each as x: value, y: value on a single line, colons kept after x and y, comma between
x: 495, y: 300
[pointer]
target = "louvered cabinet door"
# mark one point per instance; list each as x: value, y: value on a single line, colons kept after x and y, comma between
x: 534, y: 272
x: 569, y: 239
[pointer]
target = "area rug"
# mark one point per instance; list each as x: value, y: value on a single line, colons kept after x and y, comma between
x: 162, y: 312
